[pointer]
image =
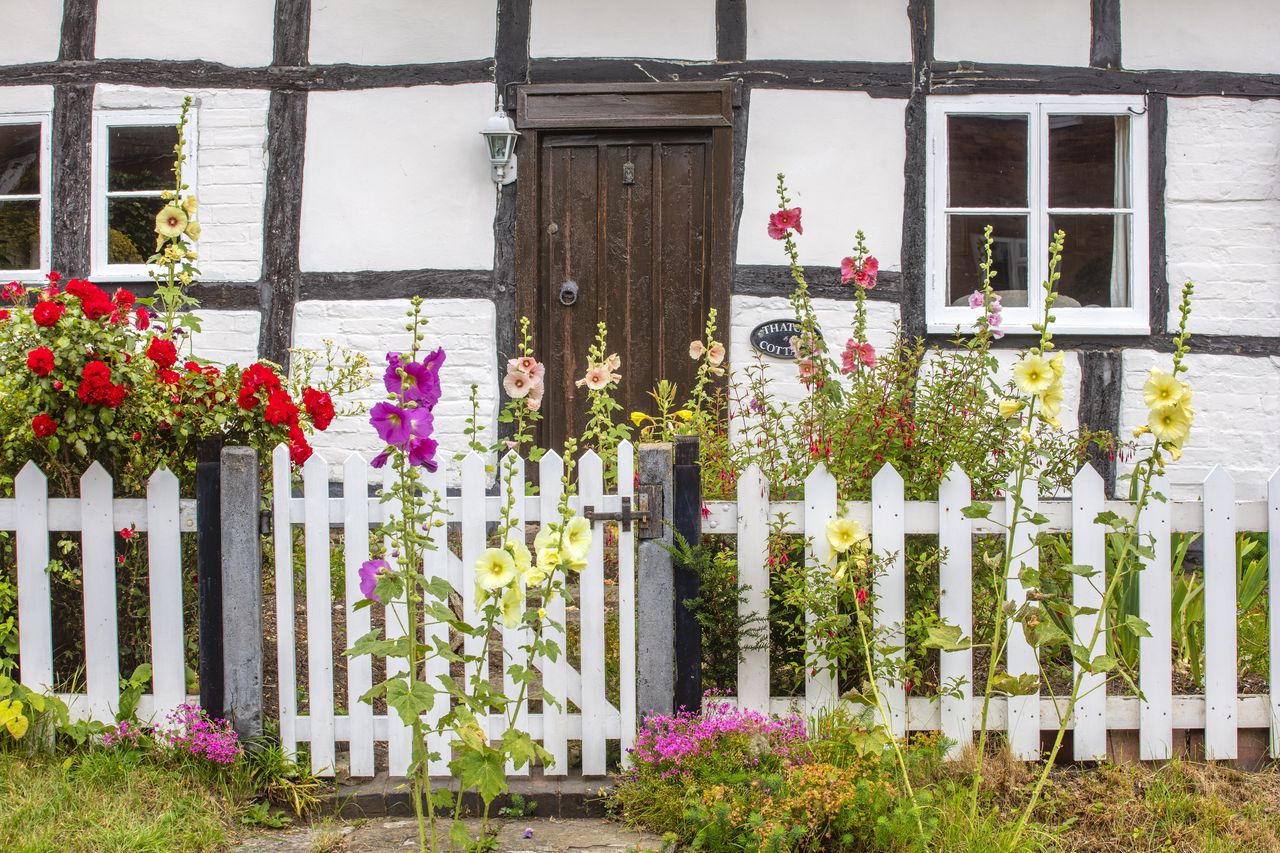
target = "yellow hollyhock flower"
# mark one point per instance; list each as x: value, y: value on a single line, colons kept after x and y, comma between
x: 844, y: 533
x: 1171, y: 424
x: 1033, y: 375
x: 577, y: 538
x: 575, y: 565
x: 1058, y: 364
x: 171, y: 221
x: 1051, y: 401
x: 1161, y: 390
x: 193, y: 230
x: 1009, y: 408
x: 189, y: 204
x: 512, y: 606
x: 546, y: 538
x: 495, y: 569
x: 519, y: 552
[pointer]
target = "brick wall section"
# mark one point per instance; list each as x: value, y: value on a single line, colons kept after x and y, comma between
x: 465, y: 327
x: 228, y: 337
x: 1223, y: 212
x: 231, y: 174
x: 1237, y: 402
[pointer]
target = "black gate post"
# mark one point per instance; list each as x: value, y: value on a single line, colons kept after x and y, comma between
x: 209, y: 572
x: 687, y: 518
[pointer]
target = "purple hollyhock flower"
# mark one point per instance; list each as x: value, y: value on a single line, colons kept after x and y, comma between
x: 369, y: 572
x: 381, y: 459
x: 393, y: 424
x: 421, y: 380
x: 422, y: 453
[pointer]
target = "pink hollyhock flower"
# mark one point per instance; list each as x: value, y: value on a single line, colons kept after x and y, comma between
x: 808, y: 368
x: 517, y: 383
x: 977, y: 300
x: 597, y: 378
x: 782, y: 221
x: 865, y: 276
x: 994, y: 319
x: 696, y: 350
x: 534, y: 400
x: 369, y: 572
x: 857, y: 354
x: 715, y: 355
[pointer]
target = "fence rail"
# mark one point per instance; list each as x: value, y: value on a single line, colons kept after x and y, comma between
x: 1220, y: 711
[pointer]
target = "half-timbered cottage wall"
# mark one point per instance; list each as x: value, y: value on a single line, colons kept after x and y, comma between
x: 340, y: 169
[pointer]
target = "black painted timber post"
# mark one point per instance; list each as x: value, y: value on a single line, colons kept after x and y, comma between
x: 687, y: 518
x: 209, y: 572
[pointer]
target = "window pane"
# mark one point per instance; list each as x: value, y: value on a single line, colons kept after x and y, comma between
x: 1088, y: 161
x: 19, y: 159
x: 140, y: 158
x: 1095, y: 260
x: 987, y: 161
x: 131, y: 229
x: 20, y: 235
x: 967, y: 250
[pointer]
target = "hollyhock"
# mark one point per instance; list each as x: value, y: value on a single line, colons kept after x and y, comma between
x: 319, y: 406
x: 369, y: 571
x: 696, y: 350
x: 782, y: 221
x: 414, y: 382
x: 977, y: 299
x: 422, y: 453
x: 857, y: 354
x: 162, y: 352
x: 43, y: 426
x: 517, y: 383
x: 534, y: 400
x: 171, y: 221
x: 533, y: 368
x: 40, y: 361
x: 393, y: 424
x: 865, y: 277
x: 47, y: 313
x: 597, y: 378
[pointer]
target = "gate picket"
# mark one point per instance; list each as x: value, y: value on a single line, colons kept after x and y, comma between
x: 555, y: 673
x: 591, y: 615
x: 888, y: 539
x: 436, y: 564
x: 1273, y: 605
x: 164, y: 558
x: 514, y: 640
x: 1024, y: 711
x: 1220, y: 661
x: 101, y: 653
x: 753, y: 580
x: 1088, y: 548
x: 1155, y: 655
x: 315, y: 485
x: 399, y: 736
x: 627, y: 607
x: 355, y: 525
x: 35, y: 615
x: 286, y: 630
x: 955, y: 583
x: 819, y: 507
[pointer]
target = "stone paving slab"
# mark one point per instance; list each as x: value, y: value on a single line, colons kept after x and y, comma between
x: 549, y: 835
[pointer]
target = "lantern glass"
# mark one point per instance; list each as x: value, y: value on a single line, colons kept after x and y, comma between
x: 500, y: 145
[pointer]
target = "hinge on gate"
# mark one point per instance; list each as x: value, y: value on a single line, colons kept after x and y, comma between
x: 647, y: 512
x: 264, y: 522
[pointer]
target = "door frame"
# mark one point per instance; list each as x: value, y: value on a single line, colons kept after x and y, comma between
x: 558, y: 107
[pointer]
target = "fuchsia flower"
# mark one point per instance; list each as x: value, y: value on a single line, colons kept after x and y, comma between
x: 782, y: 221
x: 369, y: 572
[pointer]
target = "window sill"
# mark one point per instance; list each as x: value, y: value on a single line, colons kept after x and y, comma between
x: 1061, y: 327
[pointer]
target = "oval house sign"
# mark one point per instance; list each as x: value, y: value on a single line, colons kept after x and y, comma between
x: 773, y: 338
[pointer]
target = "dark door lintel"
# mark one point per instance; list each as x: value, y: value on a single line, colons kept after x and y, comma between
x: 613, y: 105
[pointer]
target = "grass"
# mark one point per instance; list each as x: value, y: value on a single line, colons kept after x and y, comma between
x: 107, y: 800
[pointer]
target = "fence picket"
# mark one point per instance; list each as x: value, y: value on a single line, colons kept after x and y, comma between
x: 436, y: 564
x: 315, y: 485
x: 355, y: 523
x: 514, y: 640
x: 753, y: 580
x: 286, y: 633
x: 35, y: 615
x: 473, y: 545
x: 399, y: 736
x: 97, y: 554
x: 1220, y: 661
x: 1155, y: 655
x: 888, y: 539
x: 819, y: 507
x: 164, y: 558
x: 627, y: 607
x: 591, y: 616
x: 1024, y: 711
x: 1088, y: 548
x: 1273, y: 604
x: 555, y: 673
x: 955, y: 582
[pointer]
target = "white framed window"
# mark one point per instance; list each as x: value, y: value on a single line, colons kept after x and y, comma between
x: 24, y: 196
x: 133, y: 154
x: 1030, y: 165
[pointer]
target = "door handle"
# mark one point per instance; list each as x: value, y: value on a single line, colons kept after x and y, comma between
x: 568, y: 293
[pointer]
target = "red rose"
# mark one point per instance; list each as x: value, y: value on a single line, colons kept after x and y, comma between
x: 299, y: 450
x: 47, y: 313
x: 54, y: 277
x: 319, y: 406
x: 259, y: 375
x: 168, y: 377
x: 43, y: 426
x: 12, y: 291
x: 281, y: 408
x: 125, y: 298
x: 93, y: 299
x: 162, y: 352
x: 248, y: 398
x: 4, y: 315
x: 96, y: 386
x: 40, y: 361
x: 142, y: 320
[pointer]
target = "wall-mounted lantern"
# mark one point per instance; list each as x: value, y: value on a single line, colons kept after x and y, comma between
x: 500, y: 138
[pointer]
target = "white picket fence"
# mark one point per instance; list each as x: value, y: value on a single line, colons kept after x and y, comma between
x: 1220, y: 712
x: 97, y: 516
x: 596, y: 721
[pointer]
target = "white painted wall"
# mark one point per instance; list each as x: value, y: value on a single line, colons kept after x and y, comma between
x: 29, y: 30
x: 464, y: 327
x: 668, y: 29
x: 398, y: 179
x: 1222, y: 212
x: 392, y: 32
x: 237, y: 32
x: 868, y: 30
x: 227, y: 337
x: 1237, y: 403
x: 231, y: 169
x: 1226, y: 35
x: 842, y: 153
x: 26, y: 99
x: 1044, y: 32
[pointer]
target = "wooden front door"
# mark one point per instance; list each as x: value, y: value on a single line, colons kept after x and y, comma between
x: 629, y: 230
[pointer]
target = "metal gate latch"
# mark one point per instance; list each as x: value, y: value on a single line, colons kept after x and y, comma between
x: 646, y: 514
